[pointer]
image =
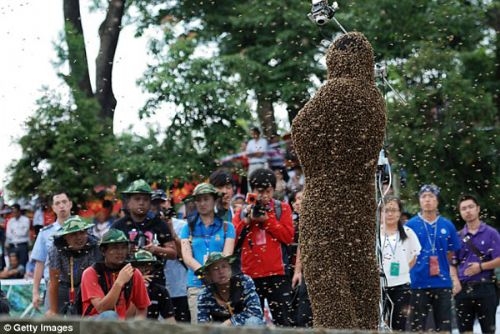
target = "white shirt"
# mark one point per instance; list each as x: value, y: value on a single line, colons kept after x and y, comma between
x: 255, y: 146
x: 401, y: 252
x: 18, y: 230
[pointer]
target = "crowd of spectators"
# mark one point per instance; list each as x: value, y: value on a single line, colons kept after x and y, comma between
x: 226, y: 250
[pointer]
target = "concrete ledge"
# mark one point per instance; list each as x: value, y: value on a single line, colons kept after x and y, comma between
x: 88, y: 326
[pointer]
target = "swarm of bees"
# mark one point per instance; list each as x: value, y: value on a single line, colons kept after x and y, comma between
x: 337, y: 136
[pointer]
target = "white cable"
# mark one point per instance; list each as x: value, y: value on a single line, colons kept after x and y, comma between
x: 340, y: 26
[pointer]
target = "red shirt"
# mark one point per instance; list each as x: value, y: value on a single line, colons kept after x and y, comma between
x: 263, y: 255
x: 91, y: 289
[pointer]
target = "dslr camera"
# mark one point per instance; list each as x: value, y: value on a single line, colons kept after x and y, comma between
x: 321, y: 13
x: 258, y: 209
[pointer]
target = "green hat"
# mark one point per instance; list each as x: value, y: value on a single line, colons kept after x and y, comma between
x: 138, y: 187
x: 113, y: 236
x: 202, y: 189
x: 143, y: 258
x: 213, y: 257
x: 74, y: 224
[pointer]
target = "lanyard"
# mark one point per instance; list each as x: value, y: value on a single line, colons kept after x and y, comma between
x: 431, y: 243
x: 208, y: 236
x: 388, y: 241
x: 71, y: 281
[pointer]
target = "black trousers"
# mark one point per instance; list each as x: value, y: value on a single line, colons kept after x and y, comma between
x: 181, y: 309
x: 300, y: 310
x: 277, y: 291
x: 398, y: 307
x: 430, y: 301
x: 479, y: 301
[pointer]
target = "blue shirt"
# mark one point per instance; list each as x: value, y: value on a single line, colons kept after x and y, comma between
x: 175, y: 272
x: 436, y: 238
x: 206, y: 240
x: 44, y: 241
x: 487, y: 242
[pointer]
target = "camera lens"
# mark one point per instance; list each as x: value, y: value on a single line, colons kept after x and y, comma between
x: 320, y: 20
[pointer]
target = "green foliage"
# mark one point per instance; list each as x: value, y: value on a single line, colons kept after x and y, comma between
x: 448, y: 133
x: 209, y: 106
x: 63, y: 149
x: 270, y: 46
x: 442, y: 56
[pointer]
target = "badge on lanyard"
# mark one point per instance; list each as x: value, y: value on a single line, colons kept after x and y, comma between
x: 433, y: 265
x: 394, y: 269
x: 394, y: 266
x: 260, y: 238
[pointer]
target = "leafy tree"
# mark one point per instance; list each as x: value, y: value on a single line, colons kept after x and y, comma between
x: 443, y: 62
x: 214, y: 55
x: 210, y: 107
x: 62, y: 149
x: 68, y: 144
x: 270, y: 47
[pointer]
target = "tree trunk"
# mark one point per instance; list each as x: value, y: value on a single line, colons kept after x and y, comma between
x: 109, y: 31
x: 79, y: 78
x: 265, y: 112
x: 77, y: 55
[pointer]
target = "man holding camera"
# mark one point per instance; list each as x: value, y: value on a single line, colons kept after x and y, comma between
x: 114, y: 289
x: 144, y: 228
x: 266, y: 229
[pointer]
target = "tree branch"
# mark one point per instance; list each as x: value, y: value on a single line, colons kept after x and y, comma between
x: 109, y: 32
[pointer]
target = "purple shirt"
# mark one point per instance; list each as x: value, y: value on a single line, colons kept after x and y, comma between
x: 487, y: 241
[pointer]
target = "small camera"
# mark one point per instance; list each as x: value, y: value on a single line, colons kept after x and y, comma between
x: 321, y: 13
x: 141, y: 240
x: 380, y: 71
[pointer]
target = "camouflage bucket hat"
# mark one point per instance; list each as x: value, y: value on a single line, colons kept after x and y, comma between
x: 138, y: 187
x: 74, y: 224
x: 114, y: 236
x: 203, y: 189
x: 213, y: 258
x: 143, y: 258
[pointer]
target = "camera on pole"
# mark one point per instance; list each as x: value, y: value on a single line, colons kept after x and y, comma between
x: 321, y: 13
